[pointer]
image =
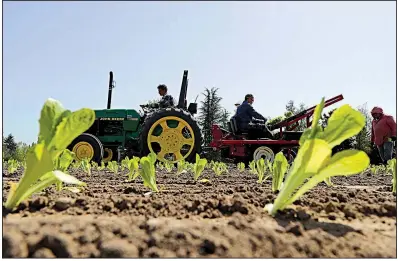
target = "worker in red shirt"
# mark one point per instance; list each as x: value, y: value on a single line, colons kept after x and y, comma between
x: 384, y: 133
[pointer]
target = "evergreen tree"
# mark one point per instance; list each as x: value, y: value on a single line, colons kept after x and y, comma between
x: 211, y: 113
x: 9, y: 147
x: 225, y: 116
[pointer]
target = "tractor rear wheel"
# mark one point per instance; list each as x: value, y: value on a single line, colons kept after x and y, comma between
x: 87, y: 146
x: 172, y: 134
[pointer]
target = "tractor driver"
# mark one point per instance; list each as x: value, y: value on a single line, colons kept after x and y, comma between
x: 166, y: 101
x: 249, y: 120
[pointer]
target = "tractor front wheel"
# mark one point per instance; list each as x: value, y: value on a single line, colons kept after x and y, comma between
x: 172, y: 134
x: 87, y: 146
x: 268, y: 153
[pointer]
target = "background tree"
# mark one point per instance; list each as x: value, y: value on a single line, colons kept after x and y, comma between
x: 9, y: 147
x: 362, y: 140
x: 21, y: 151
x: 291, y: 110
x: 225, y: 116
x: 210, y: 112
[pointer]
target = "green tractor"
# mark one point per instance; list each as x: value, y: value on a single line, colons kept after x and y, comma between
x: 172, y: 133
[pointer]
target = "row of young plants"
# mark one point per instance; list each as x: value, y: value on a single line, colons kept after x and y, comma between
x: 48, y: 161
x: 276, y: 171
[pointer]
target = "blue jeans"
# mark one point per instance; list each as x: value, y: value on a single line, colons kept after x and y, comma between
x: 386, y: 151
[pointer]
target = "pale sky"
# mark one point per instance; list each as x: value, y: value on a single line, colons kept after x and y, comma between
x: 276, y: 50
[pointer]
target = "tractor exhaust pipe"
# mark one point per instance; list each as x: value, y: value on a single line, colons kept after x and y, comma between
x: 183, y: 92
x: 111, y: 86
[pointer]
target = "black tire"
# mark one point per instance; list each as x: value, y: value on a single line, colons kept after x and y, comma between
x: 187, y: 117
x: 95, y: 144
x: 113, y: 151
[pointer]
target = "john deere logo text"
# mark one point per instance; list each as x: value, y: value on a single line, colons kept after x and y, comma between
x: 111, y: 119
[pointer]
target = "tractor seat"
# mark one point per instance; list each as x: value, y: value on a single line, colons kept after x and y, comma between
x: 234, y: 127
x: 229, y: 126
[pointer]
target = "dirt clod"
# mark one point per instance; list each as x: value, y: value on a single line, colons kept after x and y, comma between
x: 13, y: 244
x: 207, y: 247
x: 63, y: 203
x: 118, y: 248
x: 43, y: 253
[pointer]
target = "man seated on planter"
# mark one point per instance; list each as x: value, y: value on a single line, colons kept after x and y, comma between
x: 250, y: 121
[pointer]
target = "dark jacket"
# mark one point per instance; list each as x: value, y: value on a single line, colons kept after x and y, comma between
x: 165, y: 102
x: 245, y: 114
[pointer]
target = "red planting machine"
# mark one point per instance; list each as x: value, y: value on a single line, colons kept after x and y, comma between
x: 235, y: 145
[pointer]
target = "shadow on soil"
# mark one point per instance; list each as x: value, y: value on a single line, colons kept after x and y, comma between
x: 298, y: 222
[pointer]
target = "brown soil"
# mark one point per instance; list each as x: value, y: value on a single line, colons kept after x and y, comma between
x: 224, y: 218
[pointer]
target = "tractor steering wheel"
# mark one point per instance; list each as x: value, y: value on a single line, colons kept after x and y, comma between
x: 146, y: 108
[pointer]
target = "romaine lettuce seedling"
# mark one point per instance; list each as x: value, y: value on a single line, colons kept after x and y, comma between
x: 133, y: 166
x: 86, y: 166
x: 169, y: 166
x: 279, y: 169
x: 392, y: 165
x: 314, y: 161
x: 160, y: 165
x: 269, y: 165
x: 147, y: 171
x: 125, y: 163
x: 219, y: 168
x: 12, y: 165
x: 62, y: 163
x: 113, y: 166
x: 253, y: 168
x: 181, y: 167
x: 241, y: 166
x: 199, y: 166
x: 210, y: 164
x: 76, y: 164
x: 102, y: 166
x: 94, y: 165
x: 260, y: 170
x: 58, y: 128
x: 189, y: 166
x: 373, y: 169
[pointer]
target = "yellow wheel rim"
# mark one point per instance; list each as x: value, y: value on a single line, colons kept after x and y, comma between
x: 83, y: 150
x: 109, y: 155
x: 171, y: 140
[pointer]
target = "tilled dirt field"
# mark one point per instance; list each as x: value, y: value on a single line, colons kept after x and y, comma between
x: 223, y: 218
